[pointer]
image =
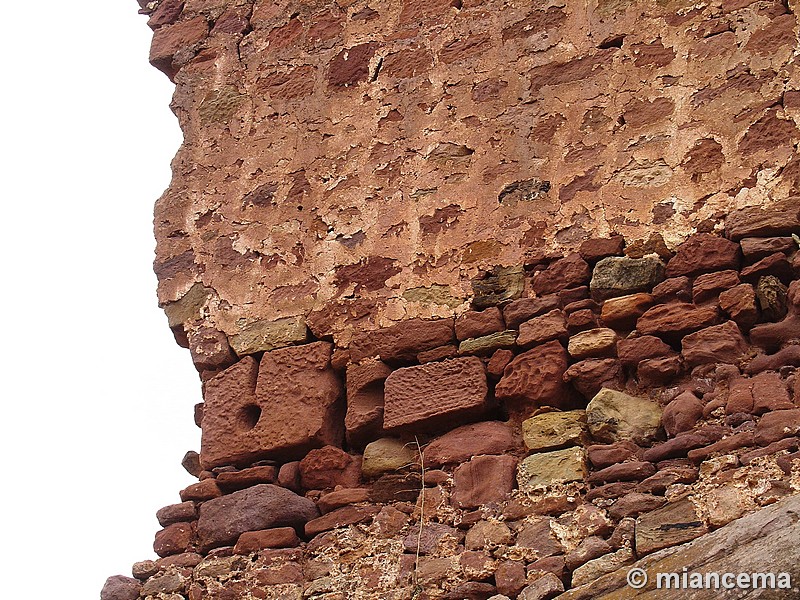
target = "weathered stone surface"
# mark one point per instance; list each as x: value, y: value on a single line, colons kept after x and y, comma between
x: 676, y: 523
x: 200, y: 491
x: 210, y: 349
x: 263, y: 336
x: 328, y: 467
x: 776, y: 265
x: 740, y: 303
x: 613, y: 416
x: 757, y: 221
x: 547, y: 468
x: 543, y: 587
x: 659, y: 371
x: 497, y: 287
x: 402, y: 342
x: 263, y: 506
x: 170, y: 40
x: 738, y: 547
x: 777, y: 425
x: 251, y: 410
x: 119, y: 587
x: 364, y: 418
x: 475, y: 324
x: 591, y: 375
x: 592, y: 343
x: 278, y: 537
x: 682, y: 413
x: 598, y: 567
x: 594, y: 249
x: 386, y: 455
x: 701, y: 253
x: 674, y: 289
x: 175, y: 513
x: 342, y: 497
x: 622, y: 312
x: 461, y: 444
x: 549, y: 326
x: 605, y: 455
x: 757, y: 248
x: 236, y: 480
x: 517, y: 312
x: 720, y: 343
x: 348, y: 515
x: 534, y: 378
x: 551, y: 430
x: 568, y: 272
x: 633, y: 350
x: 772, y: 298
x: 621, y: 276
x: 676, y: 320
x: 710, y: 285
x: 483, y: 480
x: 433, y: 394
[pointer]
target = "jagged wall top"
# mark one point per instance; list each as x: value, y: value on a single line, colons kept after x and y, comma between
x: 349, y: 164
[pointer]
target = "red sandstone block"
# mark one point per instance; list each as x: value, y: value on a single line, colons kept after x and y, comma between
x: 760, y: 222
x: 701, y: 253
x: 535, y: 378
x: 483, y: 480
x: 676, y: 320
x: 718, y: 344
x: 253, y: 541
x: 173, y: 539
x: 709, y: 285
x: 364, y: 418
x: 169, y: 40
x: 402, y: 342
x: 631, y: 351
x: 237, y: 480
x: 329, y: 467
x: 201, y: 491
x: 348, y: 515
x: 435, y: 394
x: 568, y: 272
x: 475, y: 323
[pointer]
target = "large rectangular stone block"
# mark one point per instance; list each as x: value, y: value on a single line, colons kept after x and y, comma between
x: 435, y: 394
x: 281, y: 408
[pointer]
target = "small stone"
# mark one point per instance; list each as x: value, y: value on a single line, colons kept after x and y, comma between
x: 591, y: 375
x: 632, y: 351
x: 568, y: 272
x: 622, y: 312
x: 772, y: 298
x: 590, y: 548
x: 289, y: 476
x: 263, y: 336
x: 119, y: 587
x: 539, y: 535
x: 682, y: 414
x: 437, y: 354
x: 777, y: 425
x: 544, y: 587
x: 614, y: 416
x: 253, y: 541
x: 770, y: 393
x: 498, y: 286
x: 740, y: 303
x: 594, y: 249
x: 498, y: 363
x: 718, y: 344
x: 776, y: 265
x: 674, y: 289
x: 634, y: 504
x: 461, y: 444
x: 482, y: 480
x: 605, y: 455
x: 592, y: 343
x: 517, y: 312
x: 757, y: 221
x: 168, y: 583
x: 365, y: 397
x: 510, y: 577
x: 237, y: 480
x: 474, y: 324
x: 627, y: 471
x: 386, y: 455
x: 191, y: 462
x: 702, y: 253
x: 659, y: 371
x: 396, y: 487
x: 552, y: 430
x: 550, y: 326
x: 598, y: 567
x: 620, y: 276
x: 342, y: 497
x: 673, y: 524
x: 201, y: 491
x: 758, y: 248
x: 403, y: 341
x: 176, y: 513
x: 348, y: 515
x: 143, y: 569
x: 534, y: 378
x: 710, y: 285
x: 548, y: 468
x: 327, y: 467
x: 488, y: 534
x: 676, y: 320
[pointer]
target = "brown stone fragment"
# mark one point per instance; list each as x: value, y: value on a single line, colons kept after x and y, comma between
x: 631, y: 351
x: 348, y: 515
x: 726, y: 445
x: 251, y: 409
x: 535, y: 378
x: 605, y: 455
x: 658, y: 483
x: 622, y: 276
x: 539, y: 535
x: 681, y: 444
x: 591, y: 375
x: 201, y: 491
x: 522, y: 309
x: 676, y: 320
x: 461, y: 444
x: 191, y: 462
x: 634, y: 504
x: 263, y: 506
x: 396, y: 487
x: 777, y: 425
x: 510, y: 577
x: 210, y: 349
x: 351, y: 66
x: 171, y: 39
x: 327, y: 467
x: 758, y: 248
x: 673, y: 524
x: 475, y: 323
x: 628, y: 471
x: 588, y: 549
x: 710, y: 285
x: 610, y: 491
x: 682, y: 414
x: 674, y: 289
x: 789, y: 356
x: 718, y: 344
x: 431, y: 395
x: 437, y: 354
x: 175, y: 513
x: 596, y: 248
x: 580, y: 320
x: 402, y: 342
x: 623, y: 311
x: 769, y: 393
x: 538, y: 330
x: 237, y: 480
x: 482, y: 480
x: 173, y: 539
x: 757, y: 221
x: 702, y: 253
x: 278, y: 537
x: 546, y: 586
x: 570, y: 271
x: 119, y: 587
x: 365, y: 399
x: 342, y: 497
x: 740, y: 303
x: 776, y: 265
x: 499, y: 362
x: 289, y: 476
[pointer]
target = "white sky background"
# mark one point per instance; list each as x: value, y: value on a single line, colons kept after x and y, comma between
x: 96, y: 398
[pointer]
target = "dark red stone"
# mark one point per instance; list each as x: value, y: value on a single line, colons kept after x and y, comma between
x: 483, y: 480
x: 568, y: 272
x: 701, y: 253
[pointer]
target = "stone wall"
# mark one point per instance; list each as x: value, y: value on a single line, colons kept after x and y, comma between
x: 487, y: 299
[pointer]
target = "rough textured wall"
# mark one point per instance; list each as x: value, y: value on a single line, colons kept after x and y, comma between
x: 489, y: 300
x: 352, y: 164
